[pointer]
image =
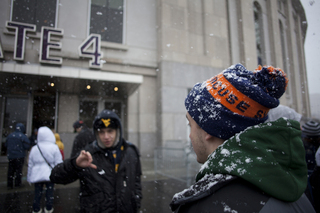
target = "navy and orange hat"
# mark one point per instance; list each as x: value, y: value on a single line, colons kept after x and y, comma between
x: 235, y: 99
x: 78, y: 124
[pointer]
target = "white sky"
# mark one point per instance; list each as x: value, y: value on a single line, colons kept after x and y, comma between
x: 312, y: 44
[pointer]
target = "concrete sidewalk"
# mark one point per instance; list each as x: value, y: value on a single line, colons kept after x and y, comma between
x: 157, y: 192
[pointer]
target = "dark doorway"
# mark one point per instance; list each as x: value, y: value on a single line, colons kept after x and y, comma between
x: 44, y: 106
x: 88, y: 111
x: 16, y: 111
x: 115, y: 107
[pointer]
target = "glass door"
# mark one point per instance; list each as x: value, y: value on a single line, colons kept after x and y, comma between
x: 15, y: 111
x: 88, y: 111
x: 115, y: 107
x: 44, y: 109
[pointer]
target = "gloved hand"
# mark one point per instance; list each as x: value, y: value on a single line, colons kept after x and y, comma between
x: 318, y: 157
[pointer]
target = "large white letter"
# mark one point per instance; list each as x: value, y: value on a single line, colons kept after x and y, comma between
x: 21, y: 30
x: 46, y: 44
x: 95, y: 53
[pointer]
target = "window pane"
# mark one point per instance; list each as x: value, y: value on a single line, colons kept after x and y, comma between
x: 88, y: 111
x: 258, y: 31
x: 24, y: 11
x: 45, y: 13
x: 16, y: 111
x: 114, y: 106
x: 44, y: 111
x: 38, y: 12
x: 107, y: 19
x: 115, y: 21
x: 98, y: 21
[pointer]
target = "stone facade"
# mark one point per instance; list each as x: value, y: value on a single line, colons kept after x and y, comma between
x: 167, y: 46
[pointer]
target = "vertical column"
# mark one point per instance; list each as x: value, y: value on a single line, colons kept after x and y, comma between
x: 233, y: 31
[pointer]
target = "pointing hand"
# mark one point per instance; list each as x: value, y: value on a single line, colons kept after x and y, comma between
x: 85, y: 160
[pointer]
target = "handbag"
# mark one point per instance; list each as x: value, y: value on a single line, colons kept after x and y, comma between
x: 44, y: 157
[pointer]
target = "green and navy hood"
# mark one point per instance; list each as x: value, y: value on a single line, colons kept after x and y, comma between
x: 271, y: 156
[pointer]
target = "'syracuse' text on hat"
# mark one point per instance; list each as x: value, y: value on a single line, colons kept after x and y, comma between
x: 235, y: 99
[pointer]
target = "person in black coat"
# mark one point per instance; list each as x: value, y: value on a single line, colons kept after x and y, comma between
x: 311, y: 141
x: 17, y: 144
x: 310, y: 133
x: 315, y: 183
x: 33, y: 138
x: 83, y: 138
x: 109, y: 170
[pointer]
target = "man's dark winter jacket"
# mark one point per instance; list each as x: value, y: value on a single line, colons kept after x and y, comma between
x: 261, y: 169
x: 17, y: 143
x: 103, y: 190
x: 84, y: 137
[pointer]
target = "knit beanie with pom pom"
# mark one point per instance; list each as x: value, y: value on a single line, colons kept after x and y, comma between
x: 311, y: 129
x: 235, y: 99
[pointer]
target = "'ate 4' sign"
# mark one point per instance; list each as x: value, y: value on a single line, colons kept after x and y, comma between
x: 90, y: 48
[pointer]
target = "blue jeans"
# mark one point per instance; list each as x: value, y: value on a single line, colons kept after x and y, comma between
x: 38, y: 193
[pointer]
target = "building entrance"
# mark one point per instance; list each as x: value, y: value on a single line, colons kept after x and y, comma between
x: 15, y: 110
x: 32, y: 111
x: 44, y: 110
x: 90, y: 108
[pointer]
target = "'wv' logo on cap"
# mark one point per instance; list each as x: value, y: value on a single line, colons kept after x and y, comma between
x: 102, y: 172
x: 106, y: 121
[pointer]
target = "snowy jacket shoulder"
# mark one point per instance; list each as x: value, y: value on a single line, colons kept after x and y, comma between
x: 227, y: 193
x: 268, y: 161
x: 17, y: 143
x: 38, y: 168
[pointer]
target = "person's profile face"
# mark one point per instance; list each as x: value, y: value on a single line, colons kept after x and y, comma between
x: 197, y: 138
x: 107, y: 136
x: 78, y: 129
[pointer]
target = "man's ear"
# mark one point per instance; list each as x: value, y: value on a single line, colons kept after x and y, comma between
x: 211, y: 138
x: 208, y: 137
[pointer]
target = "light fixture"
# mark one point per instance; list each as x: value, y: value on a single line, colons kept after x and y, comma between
x: 88, y: 86
x: 52, y: 84
x: 116, y: 89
